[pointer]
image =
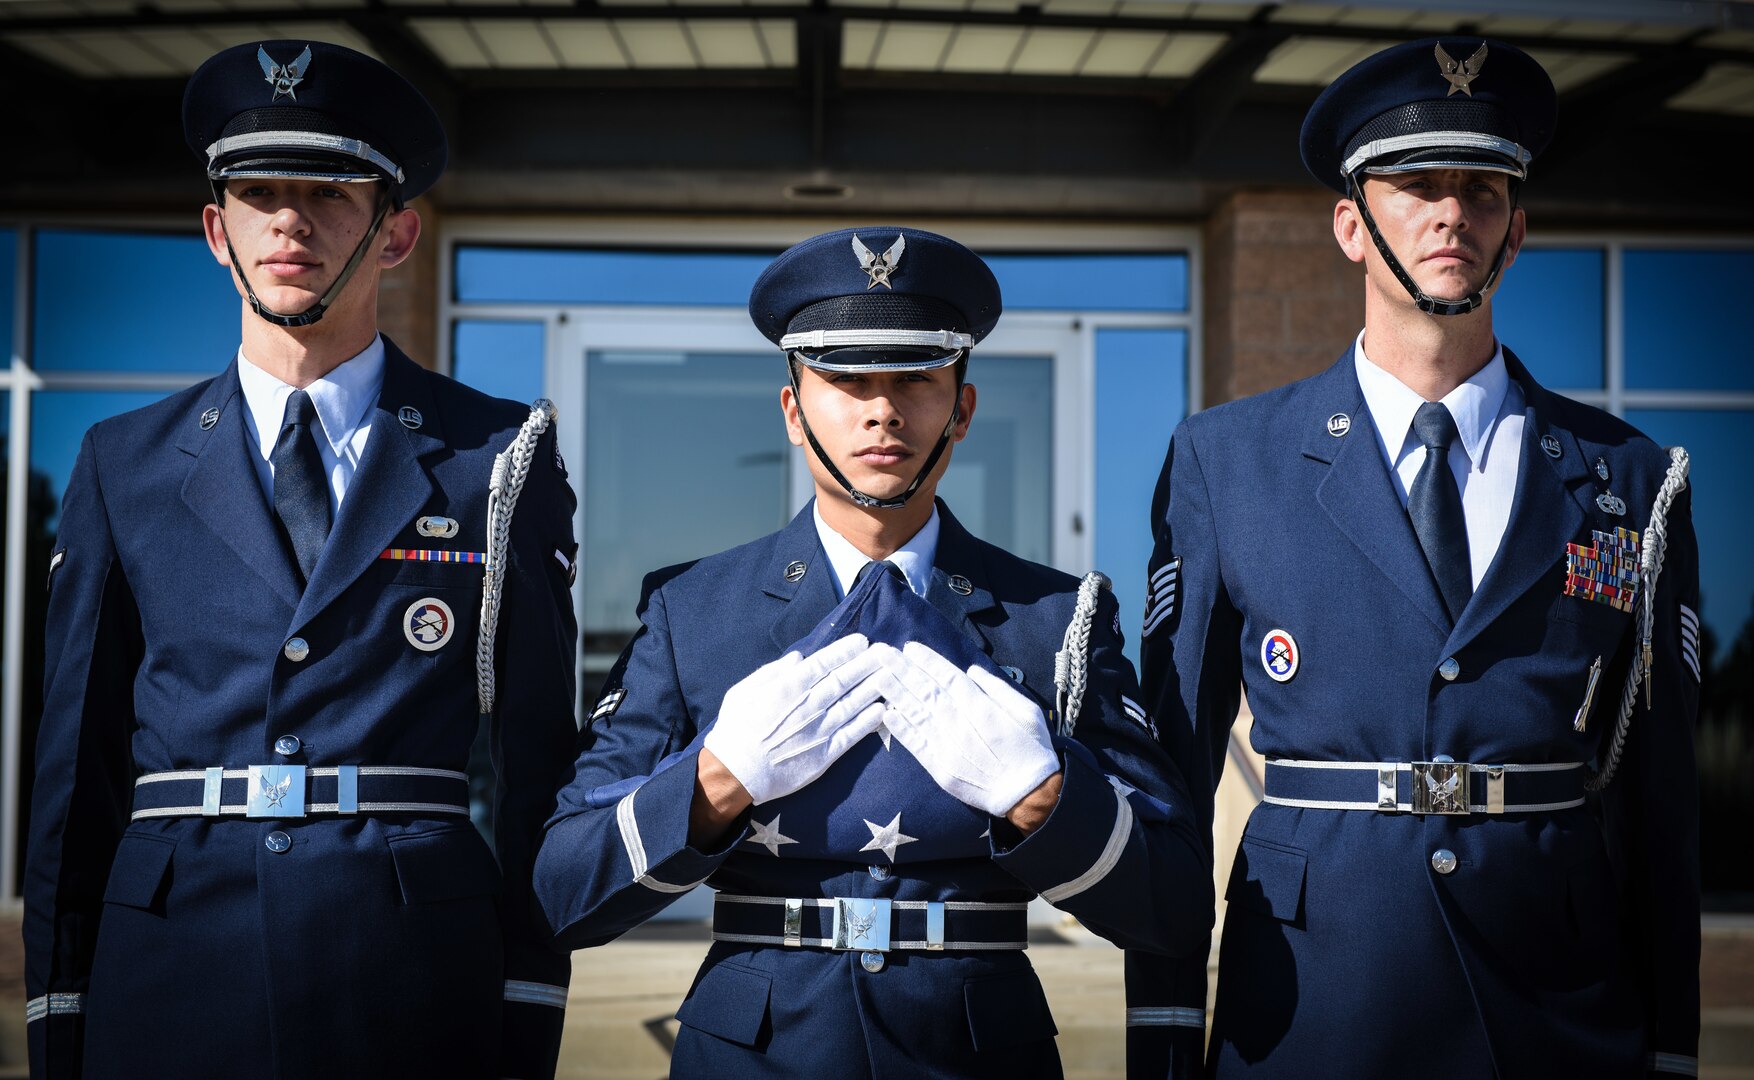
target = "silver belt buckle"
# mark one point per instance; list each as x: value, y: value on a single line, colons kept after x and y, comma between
x: 861, y: 924
x: 1440, y: 787
x: 276, y: 791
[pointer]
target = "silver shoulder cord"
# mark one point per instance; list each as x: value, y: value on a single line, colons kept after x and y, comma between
x: 1072, y: 662
x: 1650, y: 566
x: 510, y: 469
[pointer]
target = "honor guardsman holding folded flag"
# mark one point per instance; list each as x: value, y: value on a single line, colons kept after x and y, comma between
x: 853, y: 731
x: 1464, y: 611
x: 271, y: 638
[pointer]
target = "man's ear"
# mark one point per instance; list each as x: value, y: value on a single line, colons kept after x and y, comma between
x: 1349, y: 230
x: 400, y: 231
x: 794, y: 421
x: 965, y: 403
x: 213, y: 228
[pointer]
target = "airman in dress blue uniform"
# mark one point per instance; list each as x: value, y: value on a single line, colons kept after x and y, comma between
x: 269, y: 653
x: 865, y: 768
x: 1463, y: 610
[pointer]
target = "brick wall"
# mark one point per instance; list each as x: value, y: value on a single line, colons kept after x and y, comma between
x: 408, y: 295
x: 1281, y: 302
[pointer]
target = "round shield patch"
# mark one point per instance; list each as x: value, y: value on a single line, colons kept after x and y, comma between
x: 1279, y: 655
x: 428, y: 624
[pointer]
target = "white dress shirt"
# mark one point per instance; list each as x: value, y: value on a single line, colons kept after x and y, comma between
x: 915, y: 557
x: 1488, y: 411
x: 343, y: 399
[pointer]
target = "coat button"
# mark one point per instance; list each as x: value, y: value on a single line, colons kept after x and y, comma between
x: 277, y: 841
x: 872, y: 962
x: 1443, y: 860
x: 879, y: 873
x: 287, y: 745
x: 1449, y: 669
x: 297, y: 649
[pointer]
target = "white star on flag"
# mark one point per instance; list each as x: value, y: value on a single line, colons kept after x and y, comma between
x: 768, y: 836
x: 886, y: 838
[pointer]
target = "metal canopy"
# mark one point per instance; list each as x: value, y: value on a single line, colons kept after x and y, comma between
x: 1078, y: 108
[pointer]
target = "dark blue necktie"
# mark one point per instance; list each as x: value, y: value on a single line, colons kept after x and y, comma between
x: 301, y: 485
x: 1435, y: 507
x: 885, y: 564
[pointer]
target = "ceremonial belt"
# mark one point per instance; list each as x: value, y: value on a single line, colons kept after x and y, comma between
x: 1425, y: 787
x: 296, y: 791
x: 871, y: 924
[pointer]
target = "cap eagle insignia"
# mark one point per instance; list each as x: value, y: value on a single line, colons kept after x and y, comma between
x: 879, y: 267
x: 1460, y: 75
x: 284, y: 78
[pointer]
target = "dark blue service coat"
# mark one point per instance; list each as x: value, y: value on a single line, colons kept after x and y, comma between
x: 1558, y: 943
x: 1119, y: 850
x: 383, y: 945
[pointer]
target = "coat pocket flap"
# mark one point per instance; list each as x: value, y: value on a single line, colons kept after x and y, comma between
x: 446, y: 865
x: 1004, y: 1010
x: 140, y: 867
x: 1268, y: 878
x: 729, y: 1002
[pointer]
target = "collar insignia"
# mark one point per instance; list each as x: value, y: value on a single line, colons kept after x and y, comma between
x: 284, y: 78
x: 1460, y: 75
x: 879, y: 267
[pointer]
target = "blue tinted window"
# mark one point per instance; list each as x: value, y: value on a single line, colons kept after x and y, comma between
x: 8, y: 283
x: 59, y: 419
x: 1551, y: 313
x: 1717, y: 442
x: 1141, y: 282
x: 164, y: 305
x: 499, y: 358
x: 1141, y: 394
x: 546, y: 275
x: 1688, y: 320
x: 1150, y: 281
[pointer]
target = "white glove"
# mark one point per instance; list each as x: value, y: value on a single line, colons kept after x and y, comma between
x: 786, y: 722
x: 979, y: 738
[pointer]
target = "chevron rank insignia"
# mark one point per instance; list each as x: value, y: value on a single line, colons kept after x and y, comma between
x: 1690, y: 640
x: 1137, y: 714
x: 1160, y: 597
x: 1606, y: 571
x: 608, y: 704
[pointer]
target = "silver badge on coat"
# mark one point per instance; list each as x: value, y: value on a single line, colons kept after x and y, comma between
x: 1339, y: 424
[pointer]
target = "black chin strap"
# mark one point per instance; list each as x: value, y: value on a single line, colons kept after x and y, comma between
x: 315, y: 311
x: 1431, y: 305
x: 859, y: 497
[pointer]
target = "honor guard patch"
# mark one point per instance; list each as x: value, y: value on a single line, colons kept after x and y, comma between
x: 1690, y: 640
x: 608, y: 703
x: 1606, y: 571
x: 1279, y: 655
x: 428, y: 624
x: 1160, y: 594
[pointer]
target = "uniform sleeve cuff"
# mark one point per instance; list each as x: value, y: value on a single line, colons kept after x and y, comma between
x: 1672, y: 1064
x: 653, y: 821
x: 1092, y: 815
